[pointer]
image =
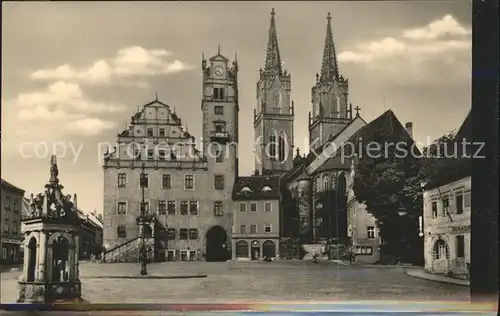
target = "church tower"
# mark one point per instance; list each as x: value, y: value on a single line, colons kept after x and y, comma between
x: 330, y: 109
x: 274, y: 114
x: 220, y: 114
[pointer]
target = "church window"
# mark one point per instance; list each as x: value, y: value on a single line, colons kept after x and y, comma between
x: 219, y: 93
x: 219, y: 110
x: 121, y: 231
x: 282, y: 149
x: 272, y: 145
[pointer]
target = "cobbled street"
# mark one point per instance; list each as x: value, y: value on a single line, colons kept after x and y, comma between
x: 250, y: 282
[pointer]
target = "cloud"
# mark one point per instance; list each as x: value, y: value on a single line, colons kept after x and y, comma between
x: 417, y: 53
x: 65, y: 106
x: 447, y: 26
x: 129, y: 62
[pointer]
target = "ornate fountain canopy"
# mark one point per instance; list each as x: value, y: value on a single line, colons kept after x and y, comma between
x: 52, y: 205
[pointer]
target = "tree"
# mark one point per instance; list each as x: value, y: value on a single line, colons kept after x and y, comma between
x: 386, y: 183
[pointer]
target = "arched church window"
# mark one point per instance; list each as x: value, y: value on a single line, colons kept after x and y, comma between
x: 272, y: 145
x: 282, y: 149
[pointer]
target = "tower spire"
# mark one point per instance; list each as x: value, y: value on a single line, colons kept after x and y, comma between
x: 273, y: 59
x: 329, y: 67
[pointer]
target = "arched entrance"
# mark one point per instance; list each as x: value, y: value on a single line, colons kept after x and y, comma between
x: 441, y: 250
x: 242, y: 249
x: 269, y: 249
x: 31, y: 259
x: 255, y: 250
x: 216, y: 244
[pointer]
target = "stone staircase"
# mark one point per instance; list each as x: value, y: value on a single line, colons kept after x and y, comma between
x: 126, y: 252
x: 310, y: 249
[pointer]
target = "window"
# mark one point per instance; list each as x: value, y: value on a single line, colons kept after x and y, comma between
x: 15, y: 206
x: 121, y: 231
x: 219, y: 93
x: 151, y: 154
x: 7, y: 203
x: 446, y: 204
x: 122, y: 180
x: 218, y: 208
x: 137, y: 154
x: 253, y: 229
x: 121, y: 208
x: 272, y: 146
x: 268, y: 207
x: 267, y: 228
x: 371, y: 232
x: 219, y: 156
x: 243, y: 229
x: 162, y: 154
x: 459, y: 203
x: 281, y: 149
x: 14, y: 228
x: 162, y: 207
x: 184, y: 207
x: 183, y: 233
x: 184, y: 255
x: 144, y: 181
x: 171, y: 233
x: 434, y: 209
x: 460, y: 242
x: 219, y: 182
x: 219, y: 109
x: 253, y: 207
x: 467, y: 199
x: 193, y: 233
x: 145, y: 205
x: 243, y: 207
x: 192, y: 255
x: 220, y: 127
x: 6, y: 226
x: 193, y: 207
x: 166, y: 181
x: 161, y: 132
x: 150, y: 132
x: 189, y: 182
x: 171, y: 207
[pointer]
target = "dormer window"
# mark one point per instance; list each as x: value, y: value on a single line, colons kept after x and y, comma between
x: 246, y: 190
x: 266, y: 189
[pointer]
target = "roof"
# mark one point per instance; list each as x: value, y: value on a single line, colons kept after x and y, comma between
x: 465, y: 130
x: 257, y: 188
x: 387, y: 122
x: 10, y: 187
x: 454, y: 170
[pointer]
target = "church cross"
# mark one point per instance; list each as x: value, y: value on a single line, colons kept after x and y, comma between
x: 357, y: 108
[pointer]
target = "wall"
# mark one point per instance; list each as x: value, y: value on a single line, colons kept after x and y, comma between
x: 441, y: 227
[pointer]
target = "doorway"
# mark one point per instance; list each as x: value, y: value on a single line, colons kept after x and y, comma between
x: 216, y: 250
x: 255, y: 250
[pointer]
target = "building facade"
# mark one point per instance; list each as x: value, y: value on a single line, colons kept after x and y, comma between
x: 11, y: 215
x: 447, y: 226
x: 188, y: 190
x: 256, y: 224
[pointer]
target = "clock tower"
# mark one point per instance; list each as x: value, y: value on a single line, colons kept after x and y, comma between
x: 220, y: 115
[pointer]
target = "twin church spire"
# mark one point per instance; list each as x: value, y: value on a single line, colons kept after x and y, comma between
x: 273, y: 58
x: 329, y: 66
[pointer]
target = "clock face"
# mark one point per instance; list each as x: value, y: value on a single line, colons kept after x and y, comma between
x: 219, y: 70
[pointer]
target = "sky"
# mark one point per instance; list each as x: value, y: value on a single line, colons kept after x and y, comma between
x: 73, y: 73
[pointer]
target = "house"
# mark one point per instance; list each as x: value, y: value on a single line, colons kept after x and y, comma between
x: 447, y: 211
x: 10, y: 209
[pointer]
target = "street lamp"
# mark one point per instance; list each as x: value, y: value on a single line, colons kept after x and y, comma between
x: 402, y: 211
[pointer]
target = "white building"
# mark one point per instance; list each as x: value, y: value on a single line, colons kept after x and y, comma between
x: 447, y: 225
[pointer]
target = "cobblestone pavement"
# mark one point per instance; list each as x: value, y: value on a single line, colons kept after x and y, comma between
x: 250, y: 282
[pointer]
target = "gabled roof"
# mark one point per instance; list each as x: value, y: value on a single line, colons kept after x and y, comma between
x: 465, y: 130
x: 10, y: 187
x: 256, y: 188
x: 387, y: 122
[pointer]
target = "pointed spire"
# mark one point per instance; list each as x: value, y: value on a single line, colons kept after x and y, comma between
x: 273, y: 59
x: 329, y: 67
x: 54, y: 172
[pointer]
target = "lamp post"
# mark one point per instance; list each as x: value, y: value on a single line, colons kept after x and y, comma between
x: 142, y: 222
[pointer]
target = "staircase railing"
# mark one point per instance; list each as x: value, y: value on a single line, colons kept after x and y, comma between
x: 111, y: 254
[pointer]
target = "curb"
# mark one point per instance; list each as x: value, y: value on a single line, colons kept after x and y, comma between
x: 436, y: 278
x: 151, y: 277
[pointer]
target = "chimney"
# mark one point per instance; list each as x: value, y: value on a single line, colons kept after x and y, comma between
x: 409, y: 128
x: 75, y: 203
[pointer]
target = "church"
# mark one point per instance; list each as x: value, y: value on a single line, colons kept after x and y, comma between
x: 201, y: 207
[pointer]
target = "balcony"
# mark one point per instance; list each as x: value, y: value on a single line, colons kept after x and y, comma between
x: 220, y: 137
